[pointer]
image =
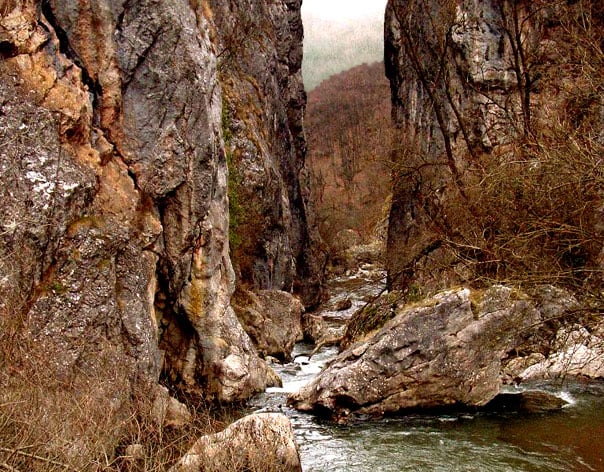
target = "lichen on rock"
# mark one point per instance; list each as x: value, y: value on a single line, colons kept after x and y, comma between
x: 115, y: 184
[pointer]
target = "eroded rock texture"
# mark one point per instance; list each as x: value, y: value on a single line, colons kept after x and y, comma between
x: 476, y: 87
x: 445, y: 353
x: 264, y: 441
x: 115, y: 221
x: 260, y: 56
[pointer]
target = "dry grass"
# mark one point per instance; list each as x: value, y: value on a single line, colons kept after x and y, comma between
x: 87, y: 424
x: 60, y: 429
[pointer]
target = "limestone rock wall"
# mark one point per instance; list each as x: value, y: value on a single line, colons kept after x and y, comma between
x: 274, y: 240
x: 476, y: 85
x: 115, y: 221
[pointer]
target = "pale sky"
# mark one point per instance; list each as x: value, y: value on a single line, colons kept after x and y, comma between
x: 344, y: 9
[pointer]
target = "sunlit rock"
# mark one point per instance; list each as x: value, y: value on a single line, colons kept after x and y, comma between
x: 258, y: 442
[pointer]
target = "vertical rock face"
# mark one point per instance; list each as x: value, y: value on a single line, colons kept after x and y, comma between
x: 477, y: 86
x: 434, y: 61
x: 260, y: 58
x: 115, y: 229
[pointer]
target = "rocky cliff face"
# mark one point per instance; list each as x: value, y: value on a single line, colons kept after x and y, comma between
x: 260, y: 58
x: 488, y: 98
x: 115, y: 221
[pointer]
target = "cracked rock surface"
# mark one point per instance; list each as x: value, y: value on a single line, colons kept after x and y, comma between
x: 115, y: 214
x: 444, y: 353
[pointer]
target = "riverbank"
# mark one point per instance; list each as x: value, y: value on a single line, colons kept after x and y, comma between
x: 568, y: 440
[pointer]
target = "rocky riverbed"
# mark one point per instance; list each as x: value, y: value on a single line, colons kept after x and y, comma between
x: 511, y: 433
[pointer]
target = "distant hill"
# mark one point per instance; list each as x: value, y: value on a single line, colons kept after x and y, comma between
x: 348, y: 127
x: 331, y: 46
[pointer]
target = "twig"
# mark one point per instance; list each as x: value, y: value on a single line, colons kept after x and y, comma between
x: 36, y: 457
x: 10, y: 468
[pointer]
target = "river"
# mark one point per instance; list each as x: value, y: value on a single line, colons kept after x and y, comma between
x: 569, y: 440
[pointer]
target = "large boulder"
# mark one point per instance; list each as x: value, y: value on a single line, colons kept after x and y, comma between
x: 257, y: 442
x: 444, y: 353
x: 272, y: 318
x: 314, y: 327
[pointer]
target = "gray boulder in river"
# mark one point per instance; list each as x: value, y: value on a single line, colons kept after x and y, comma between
x: 445, y: 352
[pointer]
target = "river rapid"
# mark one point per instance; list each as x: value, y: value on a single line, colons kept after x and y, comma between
x: 569, y: 440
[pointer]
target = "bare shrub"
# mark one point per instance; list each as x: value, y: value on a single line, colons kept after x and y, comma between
x: 527, y: 207
x: 85, y: 424
x: 52, y: 424
x: 536, y: 220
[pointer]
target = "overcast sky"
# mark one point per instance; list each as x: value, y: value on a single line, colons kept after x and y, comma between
x: 340, y: 34
x: 344, y: 9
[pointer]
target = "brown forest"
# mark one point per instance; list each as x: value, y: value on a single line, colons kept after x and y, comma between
x: 349, y: 137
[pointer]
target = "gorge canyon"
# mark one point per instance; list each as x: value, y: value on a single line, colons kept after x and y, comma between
x: 161, y: 223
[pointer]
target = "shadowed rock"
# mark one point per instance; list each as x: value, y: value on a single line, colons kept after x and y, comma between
x: 525, y: 402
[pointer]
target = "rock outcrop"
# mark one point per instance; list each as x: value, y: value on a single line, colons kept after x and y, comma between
x: 168, y: 412
x: 273, y: 319
x: 115, y: 185
x: 575, y: 353
x: 444, y: 353
x: 487, y: 103
x: 262, y: 441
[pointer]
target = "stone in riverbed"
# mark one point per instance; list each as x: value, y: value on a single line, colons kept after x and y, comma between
x: 272, y: 318
x: 314, y: 327
x: 343, y: 304
x: 528, y: 402
x: 262, y: 441
x: 436, y: 355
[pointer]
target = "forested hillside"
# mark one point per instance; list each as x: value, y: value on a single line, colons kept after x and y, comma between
x: 348, y: 123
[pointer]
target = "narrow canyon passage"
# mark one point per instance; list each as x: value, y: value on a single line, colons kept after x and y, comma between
x: 379, y: 223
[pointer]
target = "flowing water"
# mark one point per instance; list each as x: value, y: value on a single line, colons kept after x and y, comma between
x: 569, y: 440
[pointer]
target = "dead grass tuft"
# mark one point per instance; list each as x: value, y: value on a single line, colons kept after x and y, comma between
x: 88, y: 424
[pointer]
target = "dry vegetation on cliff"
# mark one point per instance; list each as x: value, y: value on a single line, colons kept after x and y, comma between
x: 520, y: 198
